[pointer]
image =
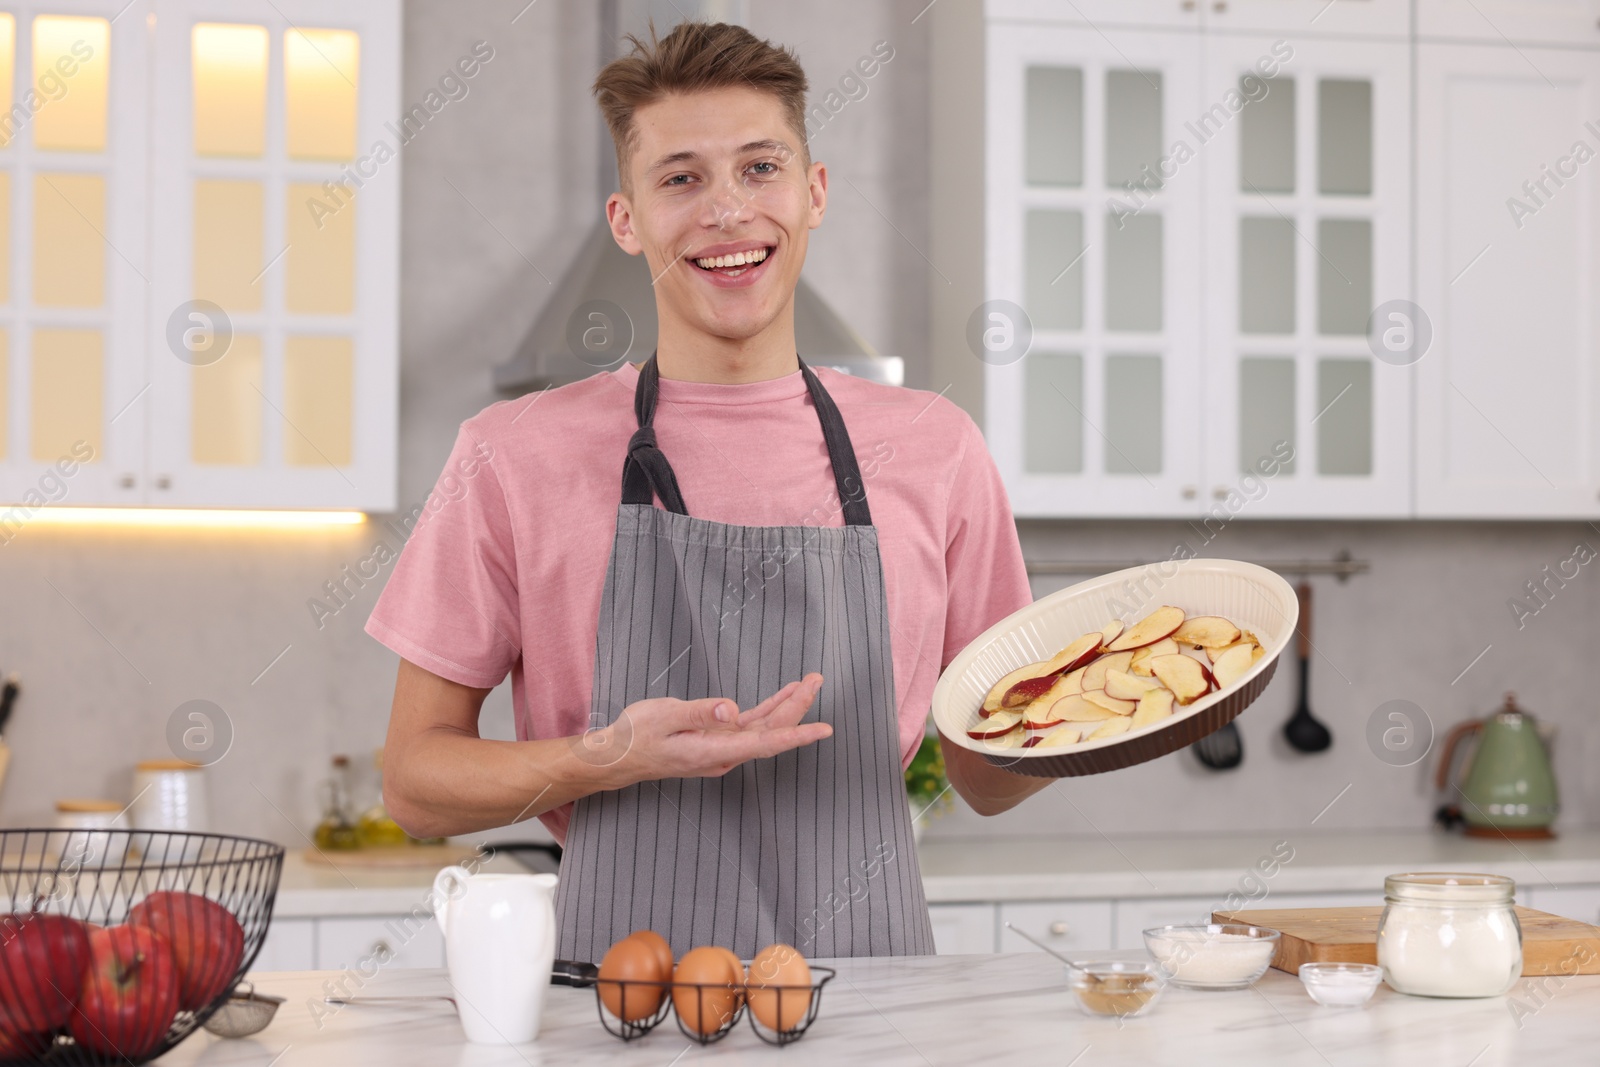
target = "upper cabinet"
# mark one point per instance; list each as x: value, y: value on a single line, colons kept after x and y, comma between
x: 1508, y: 422
x: 1568, y: 23
x: 274, y: 295
x: 199, y: 294
x: 1300, y: 19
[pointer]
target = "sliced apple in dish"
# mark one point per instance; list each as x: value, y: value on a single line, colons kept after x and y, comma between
x: 1077, y: 708
x: 1109, y: 633
x: 1206, y: 631
x: 1140, y: 664
x: 997, y: 692
x: 1070, y: 658
x: 1064, y: 686
x: 1009, y: 739
x: 997, y: 724
x: 1186, y: 676
x: 1057, y: 738
x: 1148, y: 630
x: 1125, y: 686
x: 1098, y: 698
x: 1233, y: 664
x: 1041, y: 716
x: 1111, y: 728
x: 1094, y: 675
x: 1153, y: 707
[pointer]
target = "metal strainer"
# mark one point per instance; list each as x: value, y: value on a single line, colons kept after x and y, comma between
x: 244, y: 1013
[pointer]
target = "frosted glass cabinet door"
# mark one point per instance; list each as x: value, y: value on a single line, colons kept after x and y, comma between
x: 1094, y: 231
x: 73, y: 241
x: 273, y: 345
x: 1307, y: 232
x: 1510, y: 393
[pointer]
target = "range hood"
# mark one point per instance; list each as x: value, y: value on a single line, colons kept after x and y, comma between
x: 547, y: 355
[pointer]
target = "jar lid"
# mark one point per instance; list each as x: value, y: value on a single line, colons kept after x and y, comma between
x: 1450, y: 887
x: 165, y: 765
x: 78, y: 807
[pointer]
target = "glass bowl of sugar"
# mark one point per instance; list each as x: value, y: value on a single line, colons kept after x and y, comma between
x: 1213, y: 956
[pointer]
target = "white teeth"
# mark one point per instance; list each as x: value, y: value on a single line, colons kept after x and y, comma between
x: 737, y: 259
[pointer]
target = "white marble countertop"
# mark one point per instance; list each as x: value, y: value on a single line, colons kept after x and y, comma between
x: 924, y: 1010
x: 1046, y: 868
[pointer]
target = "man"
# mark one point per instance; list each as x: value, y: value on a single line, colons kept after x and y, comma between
x: 716, y: 695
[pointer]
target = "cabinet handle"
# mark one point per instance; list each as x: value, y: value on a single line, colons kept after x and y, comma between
x: 126, y: 481
x: 380, y: 950
x: 1059, y: 929
x: 1188, y: 5
x: 1189, y: 492
x: 1219, y: 493
x: 1220, y: 6
x: 163, y: 482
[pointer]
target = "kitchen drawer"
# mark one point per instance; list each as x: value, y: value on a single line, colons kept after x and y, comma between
x: 1067, y: 926
x: 1133, y: 917
x: 362, y: 942
x: 1581, y: 902
x: 959, y: 929
x: 290, y: 945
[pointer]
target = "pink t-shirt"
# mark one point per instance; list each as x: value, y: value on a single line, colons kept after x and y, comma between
x: 503, y: 571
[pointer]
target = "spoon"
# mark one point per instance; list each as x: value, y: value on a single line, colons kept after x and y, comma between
x: 1303, y: 732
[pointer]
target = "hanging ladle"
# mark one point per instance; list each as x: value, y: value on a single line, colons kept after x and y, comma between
x: 1303, y: 732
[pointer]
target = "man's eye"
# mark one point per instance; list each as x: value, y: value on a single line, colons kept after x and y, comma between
x: 674, y: 179
x: 766, y: 163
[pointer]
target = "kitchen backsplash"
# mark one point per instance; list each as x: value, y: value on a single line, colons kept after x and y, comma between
x: 113, y: 630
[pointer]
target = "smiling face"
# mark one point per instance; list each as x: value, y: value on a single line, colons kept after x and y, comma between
x: 720, y: 202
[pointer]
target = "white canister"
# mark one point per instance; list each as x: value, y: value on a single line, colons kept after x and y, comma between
x: 170, y: 795
x: 84, y: 848
x: 1445, y: 934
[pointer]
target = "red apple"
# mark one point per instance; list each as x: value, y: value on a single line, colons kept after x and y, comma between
x: 207, y: 942
x: 42, y: 960
x: 130, y: 994
x: 23, y: 1046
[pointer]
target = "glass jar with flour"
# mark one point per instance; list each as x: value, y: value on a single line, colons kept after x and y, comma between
x: 1444, y: 934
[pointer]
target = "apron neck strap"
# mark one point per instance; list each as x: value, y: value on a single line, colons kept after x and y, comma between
x: 647, y: 473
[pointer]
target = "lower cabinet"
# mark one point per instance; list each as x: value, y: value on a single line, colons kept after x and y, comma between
x: 1134, y: 917
x: 1067, y: 926
x: 351, y: 942
x: 1581, y: 902
x: 961, y: 929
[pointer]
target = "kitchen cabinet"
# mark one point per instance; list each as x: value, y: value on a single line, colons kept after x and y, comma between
x: 1067, y: 926
x: 1581, y: 902
x: 1307, y: 215
x: 1105, y: 13
x: 290, y: 945
x: 962, y: 929
x: 388, y: 941
x: 1134, y: 916
x: 1306, y: 18
x: 1558, y: 22
x: 199, y: 298
x: 1509, y: 394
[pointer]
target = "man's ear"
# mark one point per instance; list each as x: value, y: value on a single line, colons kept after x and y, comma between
x: 819, y: 194
x: 619, y: 213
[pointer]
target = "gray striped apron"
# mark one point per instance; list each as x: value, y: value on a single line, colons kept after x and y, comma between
x: 812, y: 847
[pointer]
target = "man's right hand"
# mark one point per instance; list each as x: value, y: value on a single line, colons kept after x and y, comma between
x: 664, y: 737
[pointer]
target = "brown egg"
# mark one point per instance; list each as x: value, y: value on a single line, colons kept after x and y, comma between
x: 705, y: 1010
x: 738, y: 973
x: 659, y: 946
x: 630, y: 960
x: 780, y: 1009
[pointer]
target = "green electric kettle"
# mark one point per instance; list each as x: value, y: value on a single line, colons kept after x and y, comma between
x: 1508, y: 788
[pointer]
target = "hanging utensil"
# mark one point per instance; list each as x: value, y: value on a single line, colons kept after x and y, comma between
x: 1221, y: 750
x: 1303, y: 732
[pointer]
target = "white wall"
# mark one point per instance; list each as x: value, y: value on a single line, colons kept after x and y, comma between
x: 111, y: 630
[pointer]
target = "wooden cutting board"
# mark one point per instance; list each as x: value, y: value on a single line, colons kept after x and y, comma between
x: 1550, y: 944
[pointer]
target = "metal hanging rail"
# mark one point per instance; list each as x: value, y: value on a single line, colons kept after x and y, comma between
x: 1341, y: 566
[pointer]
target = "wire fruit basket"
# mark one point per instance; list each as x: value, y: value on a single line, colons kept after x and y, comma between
x: 116, y: 945
x: 705, y: 1003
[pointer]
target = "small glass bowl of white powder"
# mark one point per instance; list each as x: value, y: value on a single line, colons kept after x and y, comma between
x: 1212, y: 955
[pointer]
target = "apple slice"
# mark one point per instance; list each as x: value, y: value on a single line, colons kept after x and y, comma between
x: 1041, y: 716
x: 997, y: 724
x: 1206, y: 631
x: 1125, y: 686
x: 1153, y: 707
x: 991, y: 702
x: 1070, y: 658
x: 1214, y: 654
x: 1098, y: 698
x: 1058, y: 738
x: 1076, y: 708
x: 1094, y: 675
x: 1186, y: 676
x: 1064, y: 686
x: 1009, y: 739
x: 1111, y: 728
x: 1140, y: 664
x: 1233, y: 664
x: 1148, y: 630
x: 1109, y: 633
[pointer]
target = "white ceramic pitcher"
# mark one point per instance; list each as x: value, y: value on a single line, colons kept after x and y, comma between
x: 500, y: 942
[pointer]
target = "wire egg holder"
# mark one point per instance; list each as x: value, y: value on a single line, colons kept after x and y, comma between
x: 620, y: 1026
